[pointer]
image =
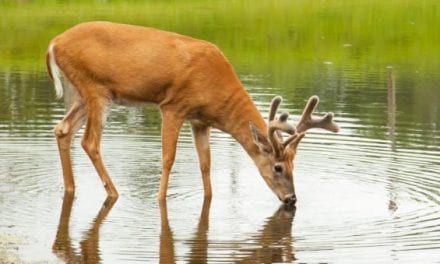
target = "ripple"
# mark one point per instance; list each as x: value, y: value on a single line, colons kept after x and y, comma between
x: 406, y: 176
x: 358, y: 196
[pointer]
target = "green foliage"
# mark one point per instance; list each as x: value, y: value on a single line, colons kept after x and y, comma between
x: 254, y: 35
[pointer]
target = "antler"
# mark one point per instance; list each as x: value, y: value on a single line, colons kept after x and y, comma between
x: 276, y: 125
x: 297, y: 133
x: 307, y: 121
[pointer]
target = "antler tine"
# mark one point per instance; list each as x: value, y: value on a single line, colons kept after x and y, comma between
x: 276, y: 125
x: 282, y: 125
x: 281, y: 122
x: 293, y: 139
x: 276, y: 101
x: 307, y: 121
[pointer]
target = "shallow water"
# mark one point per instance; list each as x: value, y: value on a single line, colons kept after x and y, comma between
x: 358, y: 195
x: 369, y: 194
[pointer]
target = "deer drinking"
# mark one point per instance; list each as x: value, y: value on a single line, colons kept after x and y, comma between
x: 96, y: 64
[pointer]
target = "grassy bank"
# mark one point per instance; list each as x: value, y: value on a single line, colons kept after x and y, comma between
x: 254, y: 35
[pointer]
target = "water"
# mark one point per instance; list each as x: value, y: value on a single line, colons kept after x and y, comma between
x: 369, y: 194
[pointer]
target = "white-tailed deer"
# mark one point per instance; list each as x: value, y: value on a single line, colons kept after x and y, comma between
x: 96, y: 64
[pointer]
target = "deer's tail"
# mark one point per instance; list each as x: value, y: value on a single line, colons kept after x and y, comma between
x: 54, y: 71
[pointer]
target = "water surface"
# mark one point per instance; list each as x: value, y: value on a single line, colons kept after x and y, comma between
x: 370, y: 193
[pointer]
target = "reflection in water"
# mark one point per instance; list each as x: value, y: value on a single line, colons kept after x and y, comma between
x: 199, y: 244
x: 166, y: 250
x: 271, y: 244
x: 391, y: 109
x: 391, y: 88
x: 62, y: 245
x: 199, y: 247
x: 274, y: 240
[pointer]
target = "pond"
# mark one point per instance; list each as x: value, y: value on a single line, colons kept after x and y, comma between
x: 370, y: 193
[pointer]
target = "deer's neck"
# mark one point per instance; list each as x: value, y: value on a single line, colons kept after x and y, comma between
x: 240, y: 112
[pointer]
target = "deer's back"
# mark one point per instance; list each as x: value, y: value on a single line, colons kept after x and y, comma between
x: 141, y: 64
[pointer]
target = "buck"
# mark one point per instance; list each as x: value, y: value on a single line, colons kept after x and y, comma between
x: 96, y: 64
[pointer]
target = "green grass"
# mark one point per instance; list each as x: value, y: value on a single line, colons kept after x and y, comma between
x: 255, y: 35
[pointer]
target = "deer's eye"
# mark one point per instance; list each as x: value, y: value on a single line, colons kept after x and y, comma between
x: 278, y: 169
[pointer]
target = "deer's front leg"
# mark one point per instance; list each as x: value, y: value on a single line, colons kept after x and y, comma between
x: 171, y: 124
x: 201, y: 139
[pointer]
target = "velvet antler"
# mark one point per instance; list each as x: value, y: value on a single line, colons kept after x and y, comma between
x: 277, y: 125
x: 307, y: 121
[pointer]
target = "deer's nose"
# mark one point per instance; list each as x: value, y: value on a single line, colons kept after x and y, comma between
x: 290, y: 199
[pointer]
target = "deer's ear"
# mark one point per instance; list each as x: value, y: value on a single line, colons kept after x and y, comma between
x: 259, y: 139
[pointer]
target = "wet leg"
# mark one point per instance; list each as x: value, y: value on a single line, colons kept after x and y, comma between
x: 171, y: 124
x: 64, y: 133
x: 201, y: 134
x: 91, y: 142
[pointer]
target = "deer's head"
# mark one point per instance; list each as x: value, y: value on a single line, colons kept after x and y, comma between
x: 277, y: 153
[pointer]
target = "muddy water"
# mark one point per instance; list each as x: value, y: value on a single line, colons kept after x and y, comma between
x: 369, y: 193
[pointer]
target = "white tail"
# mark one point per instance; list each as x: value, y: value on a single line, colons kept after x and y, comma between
x: 55, y: 72
x: 190, y: 79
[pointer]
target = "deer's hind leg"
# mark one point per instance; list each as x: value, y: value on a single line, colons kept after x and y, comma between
x: 96, y: 108
x: 64, y: 133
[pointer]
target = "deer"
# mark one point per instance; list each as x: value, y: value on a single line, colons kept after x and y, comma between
x: 96, y: 64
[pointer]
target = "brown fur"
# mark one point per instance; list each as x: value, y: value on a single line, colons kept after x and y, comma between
x: 189, y: 79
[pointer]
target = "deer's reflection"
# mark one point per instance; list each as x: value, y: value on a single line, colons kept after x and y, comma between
x: 199, y: 242
x: 62, y: 245
x: 166, y: 250
x: 274, y: 239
